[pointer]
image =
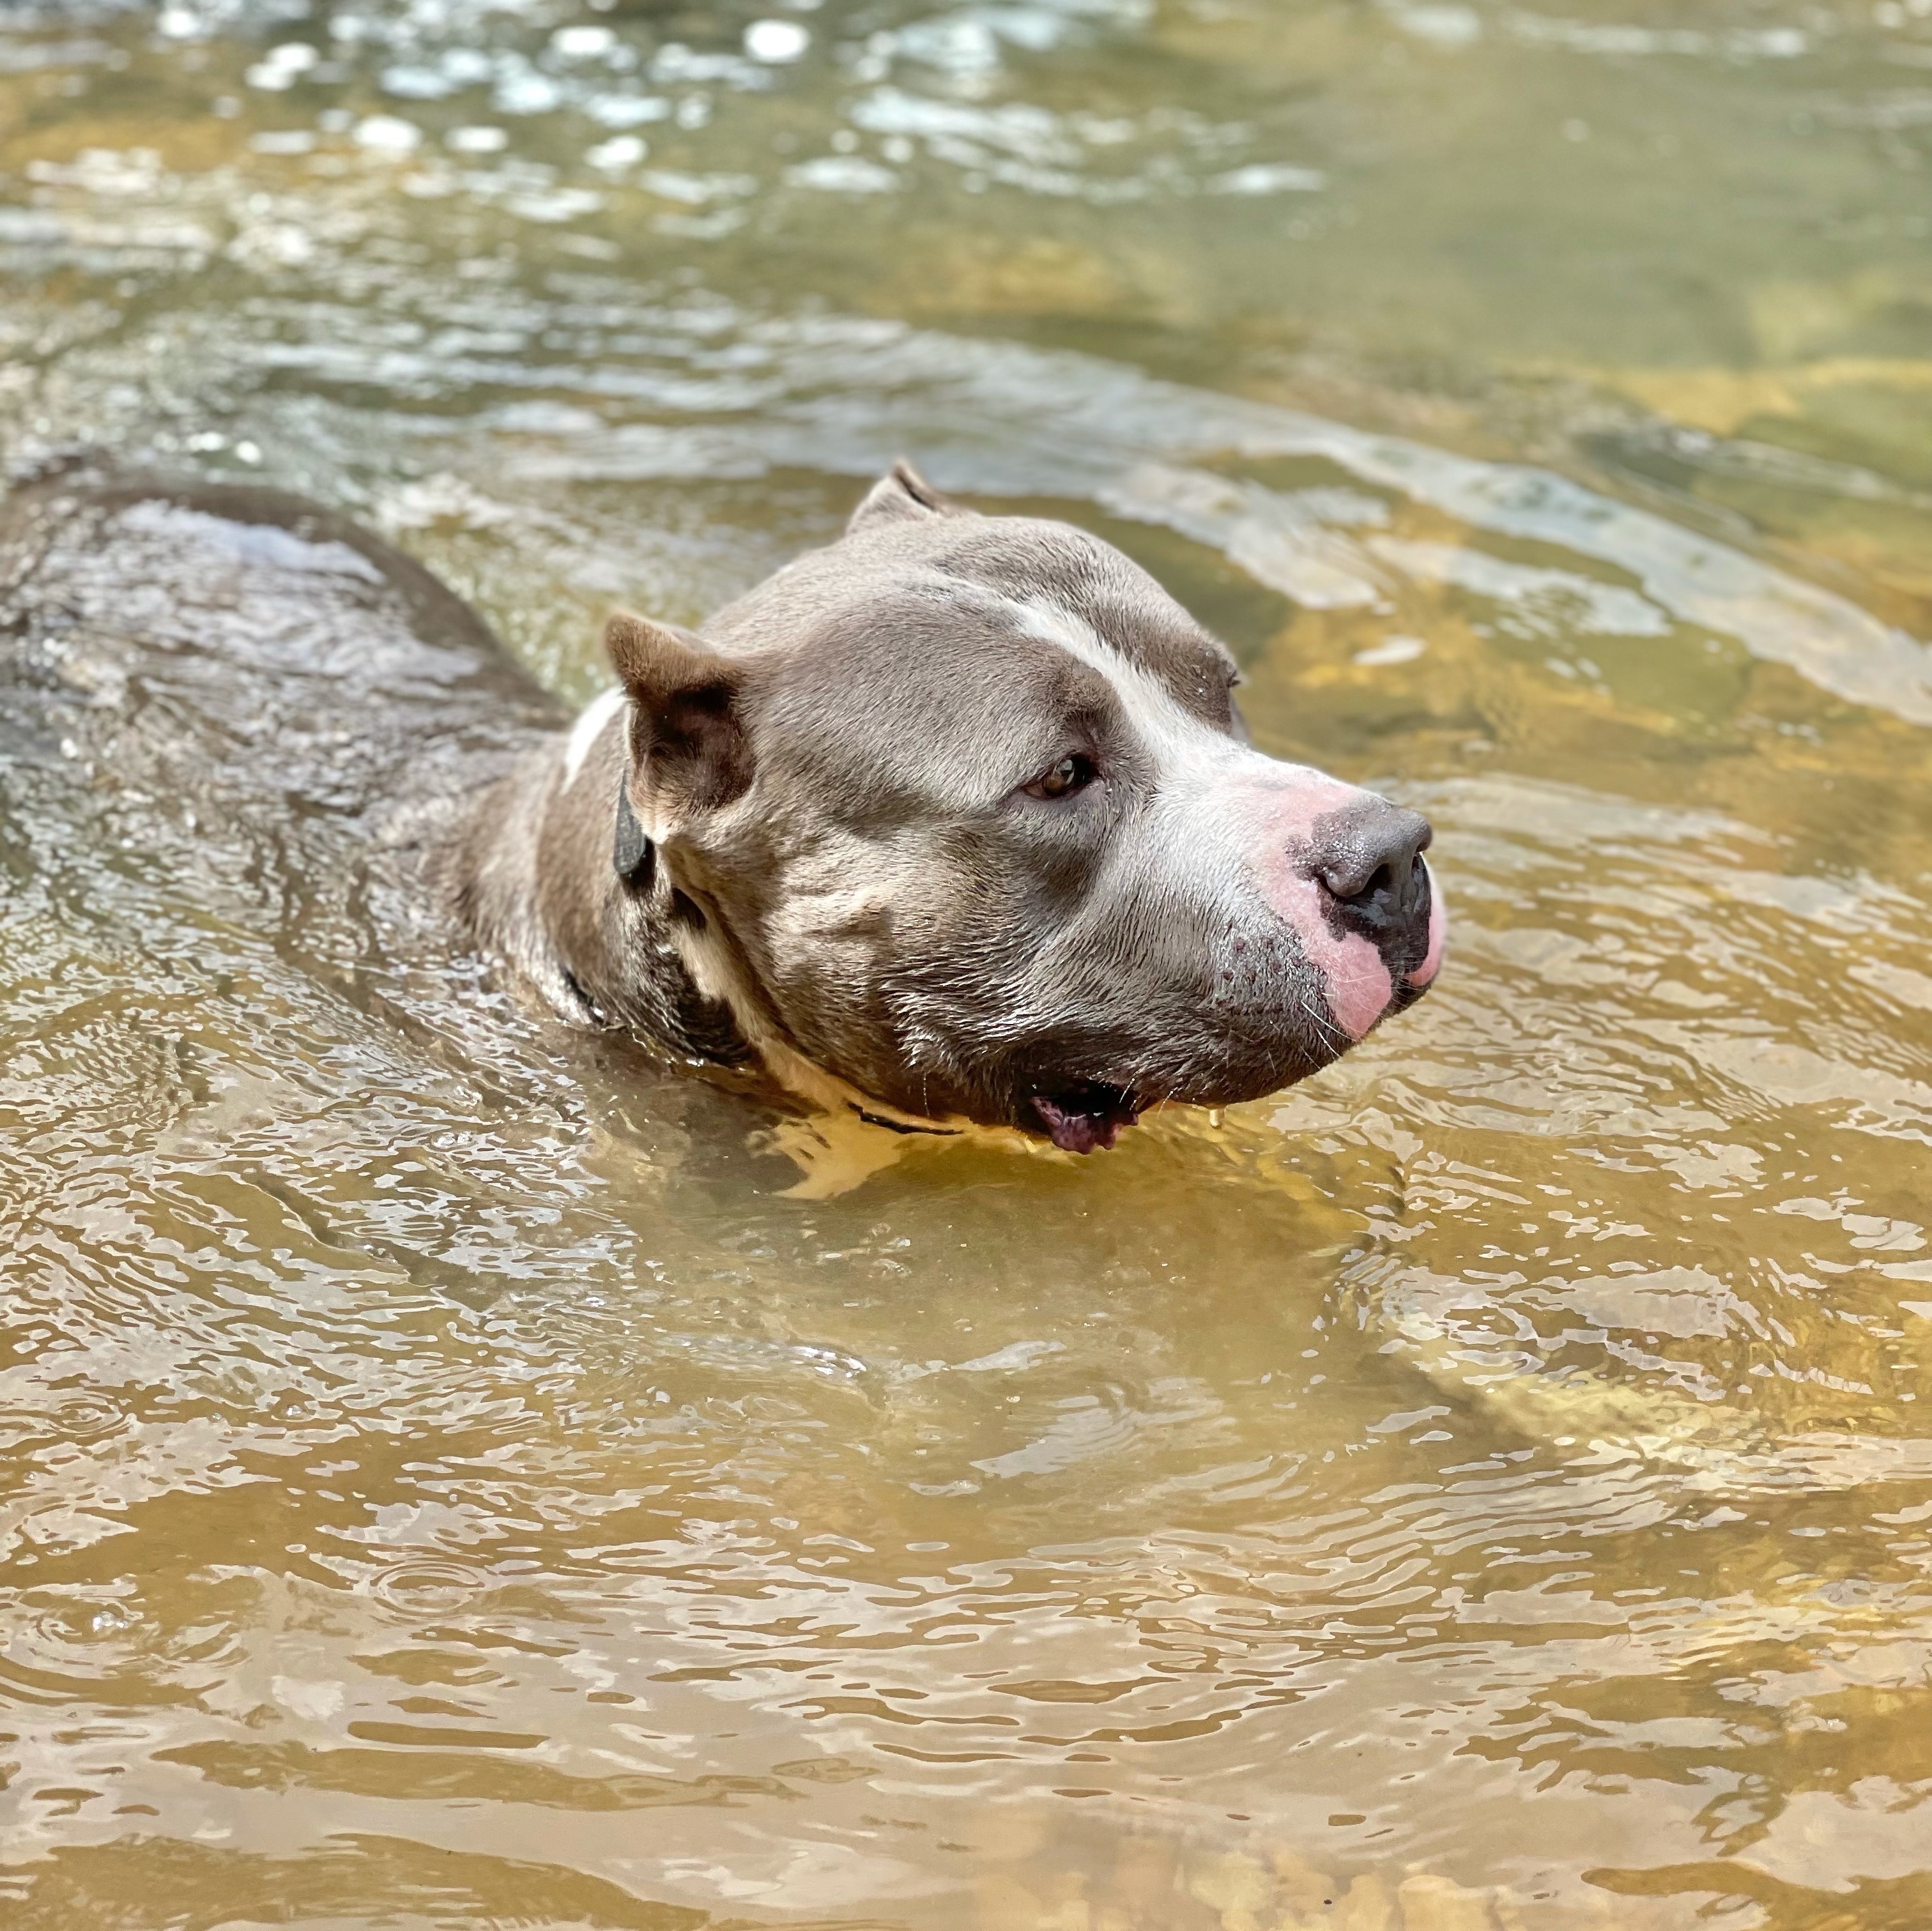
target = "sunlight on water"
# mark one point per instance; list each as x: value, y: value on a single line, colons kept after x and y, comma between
x: 454, y: 1472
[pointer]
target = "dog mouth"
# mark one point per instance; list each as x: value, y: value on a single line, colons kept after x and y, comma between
x: 1086, y: 1115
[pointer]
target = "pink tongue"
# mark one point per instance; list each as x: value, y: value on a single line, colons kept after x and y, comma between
x: 1077, y: 1132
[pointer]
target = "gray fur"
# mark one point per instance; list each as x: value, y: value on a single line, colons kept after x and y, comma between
x: 839, y: 856
x: 847, y: 857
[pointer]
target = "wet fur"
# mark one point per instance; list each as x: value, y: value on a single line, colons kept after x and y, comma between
x: 829, y: 775
x: 803, y: 838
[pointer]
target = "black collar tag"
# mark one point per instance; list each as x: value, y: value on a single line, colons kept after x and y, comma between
x: 632, y: 854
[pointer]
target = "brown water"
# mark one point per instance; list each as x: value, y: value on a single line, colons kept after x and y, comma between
x: 463, y: 1479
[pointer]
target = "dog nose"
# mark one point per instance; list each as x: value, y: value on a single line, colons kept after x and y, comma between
x: 1369, y: 857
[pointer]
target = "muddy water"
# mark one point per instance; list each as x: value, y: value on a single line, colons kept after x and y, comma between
x: 456, y: 1475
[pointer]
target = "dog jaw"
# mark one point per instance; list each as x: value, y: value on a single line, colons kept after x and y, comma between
x: 1085, y: 1118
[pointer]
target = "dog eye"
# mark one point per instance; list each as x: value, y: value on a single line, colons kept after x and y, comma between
x: 1074, y: 772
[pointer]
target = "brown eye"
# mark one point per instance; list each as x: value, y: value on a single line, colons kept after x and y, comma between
x: 1072, y: 773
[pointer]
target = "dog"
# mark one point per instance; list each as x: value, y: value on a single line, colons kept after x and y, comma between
x: 953, y: 821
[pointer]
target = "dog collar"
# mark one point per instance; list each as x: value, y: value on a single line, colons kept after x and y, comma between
x: 633, y: 856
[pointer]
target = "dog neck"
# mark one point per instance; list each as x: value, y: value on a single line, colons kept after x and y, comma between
x: 558, y: 875
x: 536, y: 880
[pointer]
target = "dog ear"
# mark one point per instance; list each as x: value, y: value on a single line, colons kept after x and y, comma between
x: 902, y: 495
x: 688, y: 750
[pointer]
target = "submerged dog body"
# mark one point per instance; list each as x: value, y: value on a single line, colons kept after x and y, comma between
x: 953, y: 819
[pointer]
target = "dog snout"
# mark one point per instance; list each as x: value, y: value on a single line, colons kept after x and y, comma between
x: 1368, y: 858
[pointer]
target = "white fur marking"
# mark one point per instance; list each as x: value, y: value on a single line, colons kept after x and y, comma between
x: 1211, y: 783
x: 1189, y: 749
x: 588, y: 729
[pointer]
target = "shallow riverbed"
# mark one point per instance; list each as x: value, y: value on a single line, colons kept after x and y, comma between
x: 473, y: 1476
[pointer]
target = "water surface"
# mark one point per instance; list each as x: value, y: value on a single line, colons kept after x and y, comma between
x: 455, y: 1473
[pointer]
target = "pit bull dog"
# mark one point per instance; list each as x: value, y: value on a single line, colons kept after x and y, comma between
x: 958, y: 810
x: 953, y: 821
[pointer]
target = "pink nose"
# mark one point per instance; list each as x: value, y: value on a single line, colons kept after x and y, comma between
x: 1368, y: 854
x: 1348, y: 875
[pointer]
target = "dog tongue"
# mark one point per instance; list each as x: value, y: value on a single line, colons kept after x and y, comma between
x: 1088, y: 1117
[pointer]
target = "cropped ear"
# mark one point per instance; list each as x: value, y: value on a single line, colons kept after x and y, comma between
x: 902, y: 495
x: 688, y: 750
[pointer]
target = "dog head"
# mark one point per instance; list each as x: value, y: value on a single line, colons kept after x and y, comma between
x: 960, y: 810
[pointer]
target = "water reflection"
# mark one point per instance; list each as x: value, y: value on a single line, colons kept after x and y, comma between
x: 1483, y: 1487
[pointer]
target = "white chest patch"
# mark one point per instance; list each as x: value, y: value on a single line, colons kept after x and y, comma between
x: 589, y: 727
